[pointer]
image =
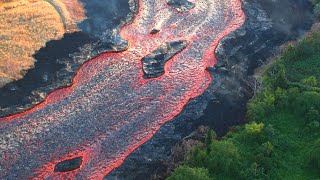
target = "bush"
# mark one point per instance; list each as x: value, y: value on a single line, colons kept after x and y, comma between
x: 210, y: 137
x: 254, y: 128
x: 254, y: 172
x: 224, y: 158
x: 314, y: 2
x: 188, y: 173
x: 282, y: 99
x: 197, y: 157
x: 310, y: 81
x: 312, y: 115
x: 256, y: 111
x: 267, y: 148
x: 317, y: 10
x: 262, y: 106
x: 270, y: 133
x: 307, y: 101
x: 315, y: 156
x: 293, y: 93
x: 278, y: 77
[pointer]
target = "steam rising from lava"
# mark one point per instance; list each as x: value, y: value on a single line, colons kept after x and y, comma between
x: 111, y: 109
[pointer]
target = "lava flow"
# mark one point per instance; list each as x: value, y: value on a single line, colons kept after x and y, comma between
x: 110, y: 109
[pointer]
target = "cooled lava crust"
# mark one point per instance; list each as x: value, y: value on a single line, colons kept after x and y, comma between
x: 111, y: 109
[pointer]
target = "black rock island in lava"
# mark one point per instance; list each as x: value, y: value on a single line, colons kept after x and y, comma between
x: 153, y: 64
x: 118, y: 100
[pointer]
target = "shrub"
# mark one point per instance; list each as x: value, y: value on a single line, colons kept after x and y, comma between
x: 314, y: 125
x: 224, y: 158
x: 270, y: 133
x: 314, y: 2
x: 279, y: 79
x: 254, y: 172
x: 310, y: 81
x: 315, y: 156
x: 210, y: 137
x: 293, y: 93
x: 317, y: 10
x: 197, y: 157
x: 262, y: 106
x: 282, y: 99
x: 256, y: 111
x: 264, y: 162
x: 267, y: 148
x: 312, y: 115
x: 254, y: 128
x: 307, y: 101
x: 188, y: 173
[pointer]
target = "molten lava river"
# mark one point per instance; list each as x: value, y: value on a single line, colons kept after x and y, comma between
x: 111, y: 108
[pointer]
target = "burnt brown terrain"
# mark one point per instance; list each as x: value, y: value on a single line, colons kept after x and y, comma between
x: 25, y: 27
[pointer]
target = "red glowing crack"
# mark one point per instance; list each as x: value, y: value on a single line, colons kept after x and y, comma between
x: 110, y: 109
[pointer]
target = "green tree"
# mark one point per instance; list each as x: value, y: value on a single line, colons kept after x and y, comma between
x: 210, y: 137
x: 293, y: 94
x: 279, y: 78
x: 281, y: 98
x: 317, y: 10
x: 306, y: 101
x: 312, y: 115
x: 310, y: 81
x: 270, y: 133
x: 254, y: 172
x: 254, y: 128
x: 188, y: 173
x: 197, y: 157
x: 315, y: 156
x: 256, y: 110
x: 267, y: 148
x: 224, y: 158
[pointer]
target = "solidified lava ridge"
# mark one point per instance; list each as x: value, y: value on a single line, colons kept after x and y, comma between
x: 111, y: 109
x: 153, y: 64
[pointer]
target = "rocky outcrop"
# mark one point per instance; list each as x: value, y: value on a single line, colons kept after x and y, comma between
x: 154, y: 31
x: 68, y: 165
x: 153, y: 64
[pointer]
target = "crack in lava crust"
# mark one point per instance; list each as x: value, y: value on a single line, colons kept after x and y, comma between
x: 110, y: 109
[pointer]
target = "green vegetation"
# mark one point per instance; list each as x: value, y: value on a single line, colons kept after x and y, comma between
x: 188, y: 173
x: 316, y: 8
x: 282, y: 137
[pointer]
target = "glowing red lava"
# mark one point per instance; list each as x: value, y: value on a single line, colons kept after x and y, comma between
x: 110, y: 109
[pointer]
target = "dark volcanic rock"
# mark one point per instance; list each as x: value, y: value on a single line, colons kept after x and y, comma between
x: 154, y: 31
x: 181, y: 5
x: 68, y: 165
x: 110, y: 42
x: 153, y: 64
x: 49, y: 74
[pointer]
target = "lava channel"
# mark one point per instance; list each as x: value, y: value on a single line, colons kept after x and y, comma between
x: 111, y: 109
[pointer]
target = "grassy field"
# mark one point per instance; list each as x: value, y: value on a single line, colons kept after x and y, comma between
x: 26, y: 26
